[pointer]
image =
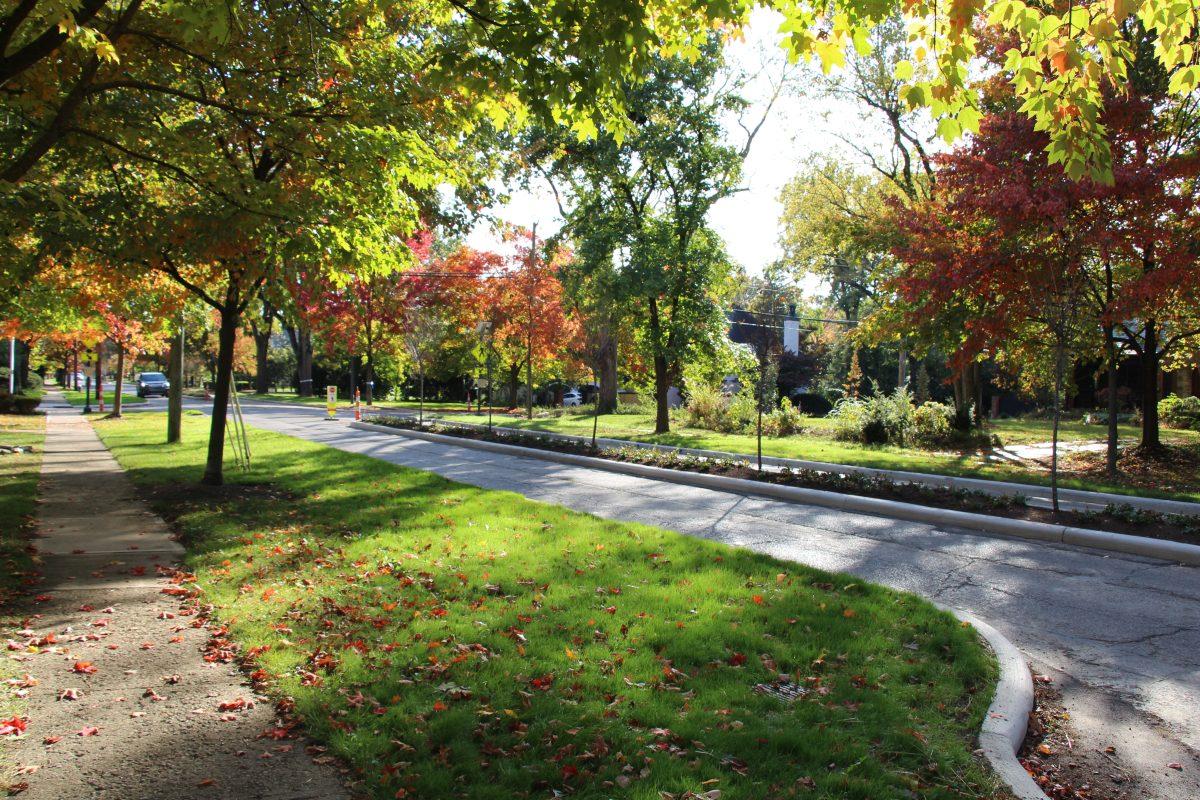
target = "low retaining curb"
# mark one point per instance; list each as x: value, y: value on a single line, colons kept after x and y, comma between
x: 1007, y: 718
x: 1024, y: 529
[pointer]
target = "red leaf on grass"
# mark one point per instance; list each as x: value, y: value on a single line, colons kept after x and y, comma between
x: 12, y: 727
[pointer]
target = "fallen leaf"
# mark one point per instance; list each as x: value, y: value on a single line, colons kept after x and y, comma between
x: 12, y: 727
x: 87, y: 730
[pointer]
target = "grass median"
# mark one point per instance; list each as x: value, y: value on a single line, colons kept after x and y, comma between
x: 79, y: 398
x: 450, y: 641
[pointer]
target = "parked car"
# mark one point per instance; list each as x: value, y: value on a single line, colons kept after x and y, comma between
x: 572, y: 397
x: 149, y: 383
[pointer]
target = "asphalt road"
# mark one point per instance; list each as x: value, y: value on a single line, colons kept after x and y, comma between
x: 1121, y: 632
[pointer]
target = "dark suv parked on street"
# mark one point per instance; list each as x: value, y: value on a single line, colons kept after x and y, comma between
x: 149, y: 383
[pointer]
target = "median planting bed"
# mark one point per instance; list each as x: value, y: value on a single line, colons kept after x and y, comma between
x: 450, y: 641
x: 816, y: 442
x: 1114, y: 518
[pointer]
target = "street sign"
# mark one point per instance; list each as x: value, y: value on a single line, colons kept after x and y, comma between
x: 331, y: 401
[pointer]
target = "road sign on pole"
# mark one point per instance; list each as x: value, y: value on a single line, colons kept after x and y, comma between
x: 331, y: 402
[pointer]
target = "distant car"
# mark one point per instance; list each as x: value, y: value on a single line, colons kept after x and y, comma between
x: 149, y: 383
x: 572, y: 397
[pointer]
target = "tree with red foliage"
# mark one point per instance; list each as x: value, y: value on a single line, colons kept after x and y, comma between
x: 525, y: 305
x: 1126, y: 247
x: 996, y: 263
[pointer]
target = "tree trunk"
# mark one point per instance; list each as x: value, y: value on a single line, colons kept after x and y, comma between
x: 262, y: 350
x: 977, y: 394
x: 662, y: 384
x: 75, y: 369
x: 1150, y: 360
x: 662, y: 381
x: 1110, y: 353
x: 529, y: 378
x: 514, y: 378
x: 226, y: 336
x: 120, y: 387
x: 100, y: 372
x: 902, y: 366
x: 421, y: 401
x: 607, y: 369
x: 175, y: 392
x: 962, y: 401
x: 300, y: 338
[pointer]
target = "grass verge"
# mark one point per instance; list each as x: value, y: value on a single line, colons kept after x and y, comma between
x: 19, y: 475
x: 451, y: 641
x: 77, y: 398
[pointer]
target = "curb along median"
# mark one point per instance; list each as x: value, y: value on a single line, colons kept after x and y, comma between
x: 1025, y: 529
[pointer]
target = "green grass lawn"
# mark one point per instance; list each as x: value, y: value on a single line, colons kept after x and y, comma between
x: 19, y: 475
x: 450, y: 641
x: 77, y: 398
x: 407, y: 405
x: 816, y: 443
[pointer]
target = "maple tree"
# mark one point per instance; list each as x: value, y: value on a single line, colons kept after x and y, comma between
x: 511, y: 50
x: 1009, y: 235
x: 130, y: 311
x: 525, y: 305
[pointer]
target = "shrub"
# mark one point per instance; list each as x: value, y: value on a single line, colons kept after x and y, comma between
x: 705, y: 409
x: 19, y: 403
x: 741, y: 415
x: 895, y: 419
x: 933, y: 425
x: 783, y: 421
x: 1180, y: 412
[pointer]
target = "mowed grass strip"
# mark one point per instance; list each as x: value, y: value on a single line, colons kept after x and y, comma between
x: 451, y: 641
x: 19, y: 476
x: 79, y: 398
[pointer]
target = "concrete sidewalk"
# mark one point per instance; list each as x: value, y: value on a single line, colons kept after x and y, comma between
x: 146, y: 722
x: 1124, y: 628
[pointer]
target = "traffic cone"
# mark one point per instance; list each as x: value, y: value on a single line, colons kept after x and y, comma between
x: 357, y: 407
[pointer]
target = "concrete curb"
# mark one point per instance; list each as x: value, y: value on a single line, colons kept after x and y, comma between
x: 1024, y: 529
x: 1007, y: 718
x: 1000, y: 488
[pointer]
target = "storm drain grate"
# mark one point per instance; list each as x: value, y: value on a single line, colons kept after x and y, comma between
x: 784, y: 691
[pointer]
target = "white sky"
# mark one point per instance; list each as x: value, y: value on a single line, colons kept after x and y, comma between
x: 801, y: 124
